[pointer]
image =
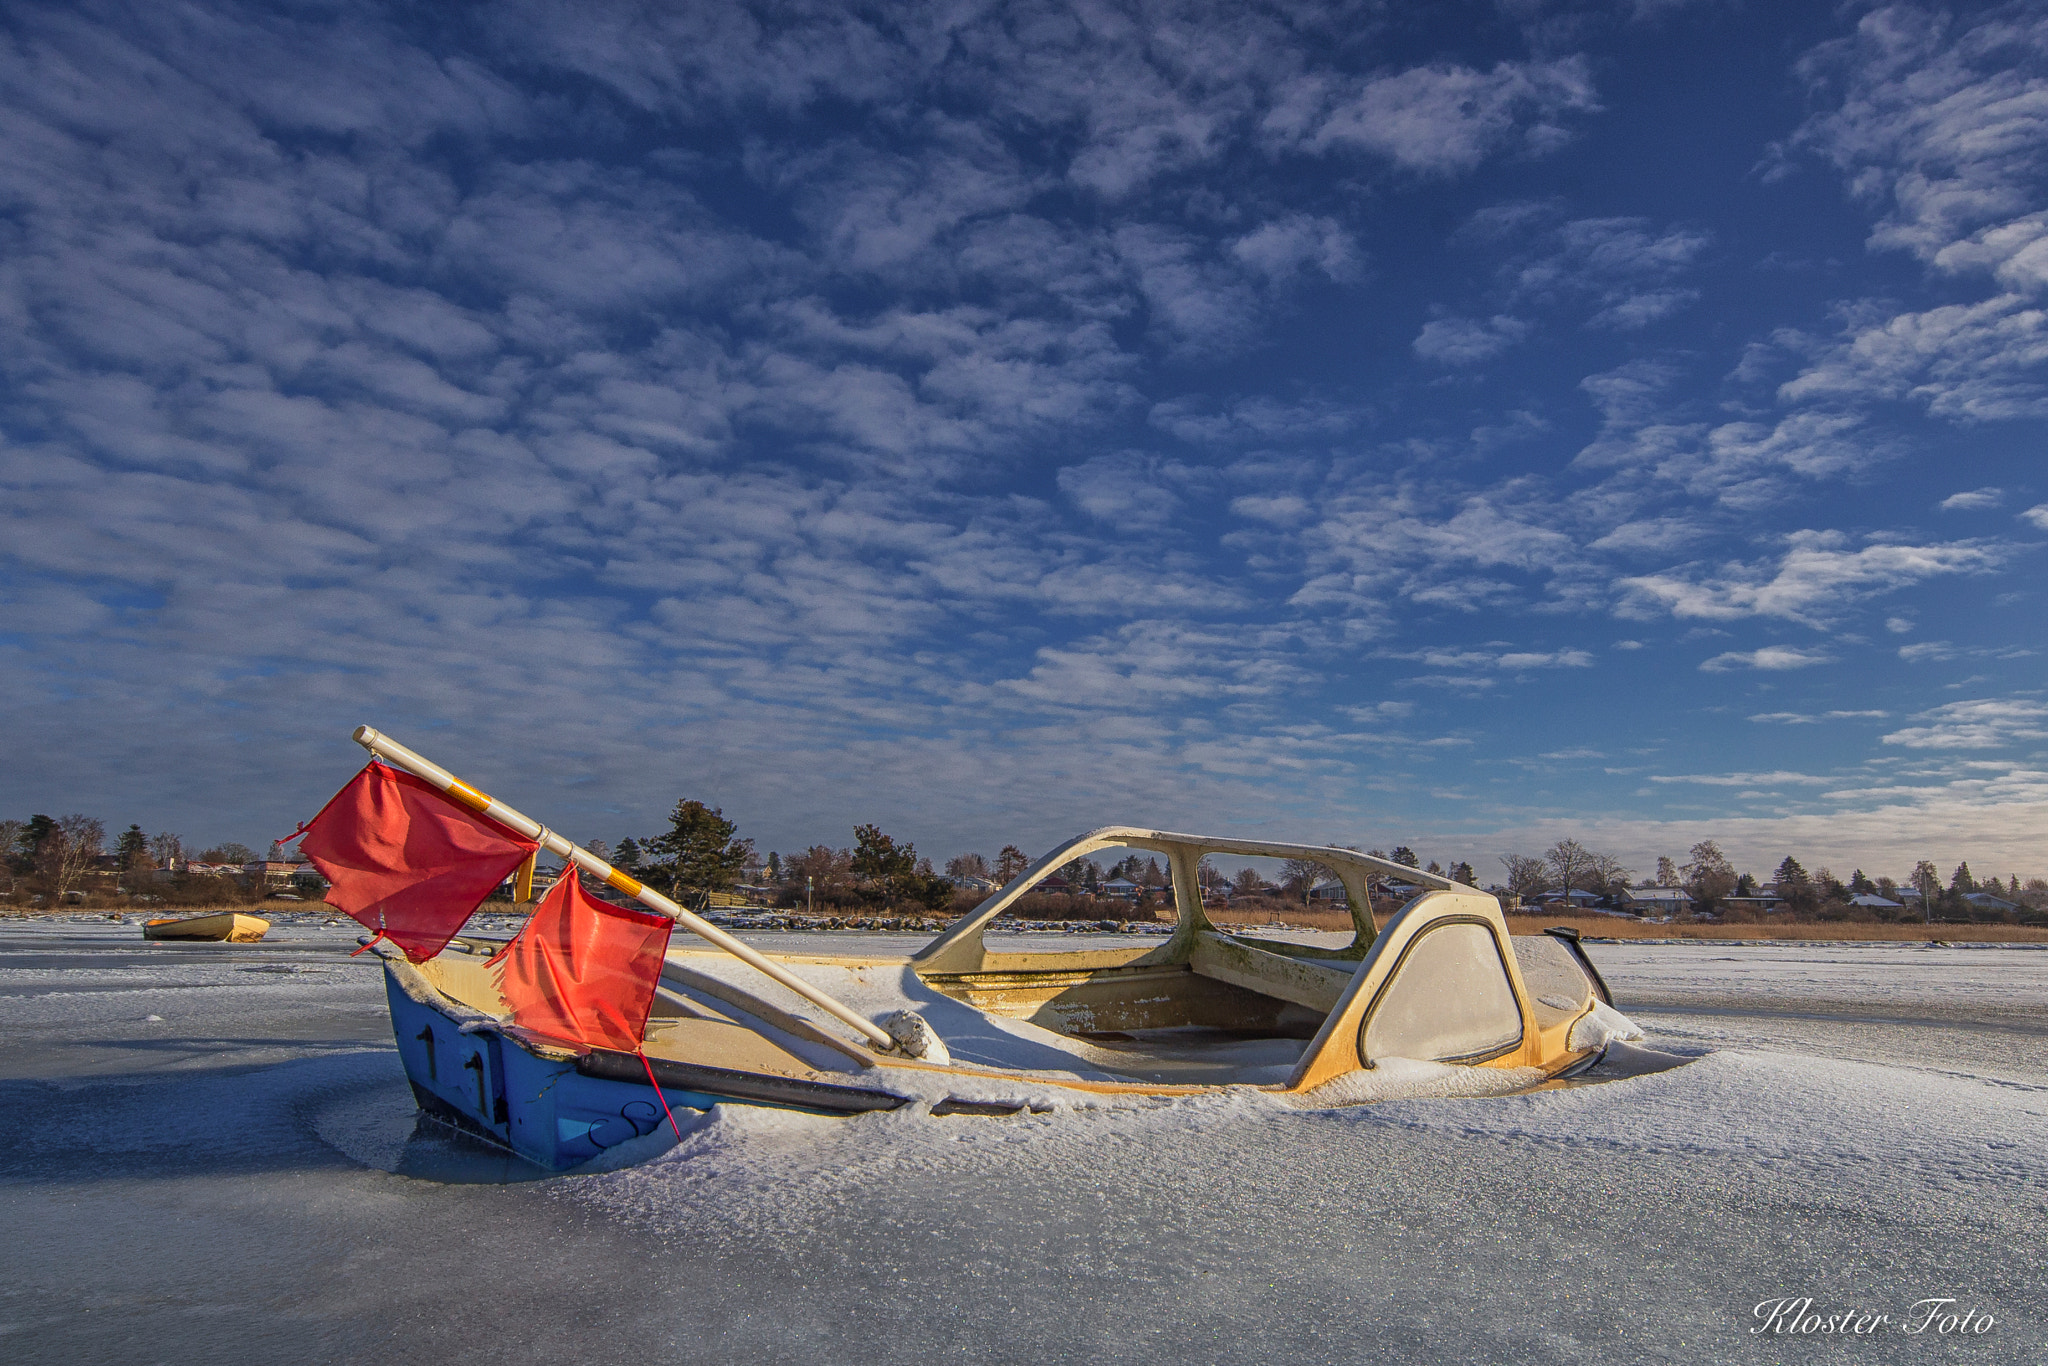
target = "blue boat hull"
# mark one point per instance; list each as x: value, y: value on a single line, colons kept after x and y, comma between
x: 498, y: 1089
x: 559, y: 1111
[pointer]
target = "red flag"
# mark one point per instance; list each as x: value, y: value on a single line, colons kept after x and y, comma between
x: 407, y: 860
x: 583, y: 969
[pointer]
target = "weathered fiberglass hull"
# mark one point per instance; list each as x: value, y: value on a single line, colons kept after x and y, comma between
x: 1442, y: 995
x: 560, y: 1109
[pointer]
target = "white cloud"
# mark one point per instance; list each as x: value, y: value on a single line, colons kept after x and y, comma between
x: 1130, y: 490
x: 1980, y: 724
x: 1942, y: 120
x: 1545, y: 659
x: 1976, y: 500
x: 1640, y: 310
x: 1507, y: 660
x: 1442, y: 118
x: 1780, y: 778
x: 1283, y: 249
x: 1280, y: 509
x: 1768, y: 657
x: 1796, y: 718
x: 1467, y: 341
x: 2036, y: 517
x: 1926, y: 650
x: 1980, y: 361
x: 1815, y: 580
x: 1742, y: 464
x: 1940, y: 123
x: 1625, y: 267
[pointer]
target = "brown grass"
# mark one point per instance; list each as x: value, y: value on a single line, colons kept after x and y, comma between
x: 1616, y: 927
x: 1295, y: 918
x: 1613, y: 927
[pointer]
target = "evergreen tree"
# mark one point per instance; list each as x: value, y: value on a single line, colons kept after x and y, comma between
x: 1860, y: 885
x: 1927, y: 883
x: 33, y: 841
x: 131, y: 849
x: 887, y: 872
x: 1795, y: 888
x: 1403, y: 854
x: 630, y: 856
x: 1960, y: 882
x: 1010, y: 862
x: 1462, y: 872
x: 699, y: 853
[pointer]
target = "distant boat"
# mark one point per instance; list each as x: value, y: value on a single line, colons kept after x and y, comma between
x: 221, y: 925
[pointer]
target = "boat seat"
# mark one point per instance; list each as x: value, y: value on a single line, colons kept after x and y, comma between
x: 1300, y: 981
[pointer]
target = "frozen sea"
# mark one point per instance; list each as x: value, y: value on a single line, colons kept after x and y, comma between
x: 208, y: 1154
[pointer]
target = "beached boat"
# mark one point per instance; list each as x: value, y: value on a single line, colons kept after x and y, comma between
x: 229, y: 926
x: 1441, y: 999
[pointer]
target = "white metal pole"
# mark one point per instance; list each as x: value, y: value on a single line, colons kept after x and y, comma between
x: 388, y: 749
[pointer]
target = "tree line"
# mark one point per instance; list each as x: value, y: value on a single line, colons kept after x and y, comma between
x: 702, y: 852
x: 52, y: 857
x: 1710, y: 879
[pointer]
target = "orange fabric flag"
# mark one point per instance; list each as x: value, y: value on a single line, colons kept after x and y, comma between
x: 407, y: 860
x: 584, y: 970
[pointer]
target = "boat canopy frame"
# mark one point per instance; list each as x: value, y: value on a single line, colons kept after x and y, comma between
x: 961, y: 947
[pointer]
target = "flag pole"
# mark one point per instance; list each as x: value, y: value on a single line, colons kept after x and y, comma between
x: 389, y: 750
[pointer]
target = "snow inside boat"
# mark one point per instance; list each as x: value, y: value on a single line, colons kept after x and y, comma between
x: 958, y: 1028
x: 230, y: 927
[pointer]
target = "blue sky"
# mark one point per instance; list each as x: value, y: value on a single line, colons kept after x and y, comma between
x: 1458, y: 428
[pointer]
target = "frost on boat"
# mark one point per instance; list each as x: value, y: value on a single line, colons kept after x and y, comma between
x: 553, y: 1046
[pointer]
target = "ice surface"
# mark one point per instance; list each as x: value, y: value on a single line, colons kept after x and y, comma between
x: 222, y: 1185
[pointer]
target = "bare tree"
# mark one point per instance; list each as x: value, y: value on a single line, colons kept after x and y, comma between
x: 1526, y: 876
x: 1571, y: 865
x: 967, y: 865
x: 12, y: 853
x: 79, y: 841
x: 1609, y: 878
x: 820, y: 868
x: 167, y: 849
x: 1302, y: 876
x: 1709, y: 876
x: 1247, y: 882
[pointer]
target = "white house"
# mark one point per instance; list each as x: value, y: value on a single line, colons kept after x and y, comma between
x: 1576, y: 897
x: 1121, y: 888
x: 1872, y: 901
x: 1658, y: 900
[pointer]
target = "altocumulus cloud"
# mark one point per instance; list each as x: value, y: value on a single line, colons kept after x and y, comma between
x: 994, y: 423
